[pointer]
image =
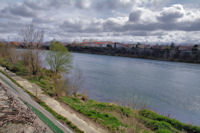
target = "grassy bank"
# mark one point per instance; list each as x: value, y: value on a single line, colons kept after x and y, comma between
x: 158, y: 122
x: 122, y: 119
x: 96, y: 112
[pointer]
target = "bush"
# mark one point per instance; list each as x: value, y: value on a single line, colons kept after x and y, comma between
x: 173, y: 122
x: 20, y: 69
x: 111, y: 107
x: 163, y: 131
x: 154, y: 116
x: 145, y: 131
x: 155, y: 125
x: 191, y: 129
x: 17, y: 68
x: 89, y: 109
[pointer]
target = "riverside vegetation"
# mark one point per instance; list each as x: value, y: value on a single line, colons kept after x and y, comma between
x: 113, y: 117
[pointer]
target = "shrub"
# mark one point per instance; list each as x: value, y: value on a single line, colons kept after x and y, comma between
x: 191, y: 129
x: 154, y: 116
x: 175, y: 123
x: 155, y: 125
x: 17, y: 68
x: 163, y: 131
x: 88, y: 109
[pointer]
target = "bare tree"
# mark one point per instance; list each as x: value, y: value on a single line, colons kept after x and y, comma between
x: 62, y: 87
x: 32, y: 39
x: 76, y: 81
x: 8, y: 51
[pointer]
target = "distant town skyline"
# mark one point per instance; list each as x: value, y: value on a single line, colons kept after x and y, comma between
x: 150, y: 21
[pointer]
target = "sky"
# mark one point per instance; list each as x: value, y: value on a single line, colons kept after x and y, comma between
x: 147, y: 21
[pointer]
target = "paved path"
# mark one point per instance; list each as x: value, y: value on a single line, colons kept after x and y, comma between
x: 23, y: 95
x: 56, y: 106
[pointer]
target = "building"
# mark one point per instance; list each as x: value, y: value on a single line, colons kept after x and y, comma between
x: 147, y: 46
x: 142, y: 46
x: 97, y: 44
x: 155, y: 47
x: 164, y: 47
x: 119, y: 45
x: 198, y: 47
x: 14, y: 43
x: 185, y: 48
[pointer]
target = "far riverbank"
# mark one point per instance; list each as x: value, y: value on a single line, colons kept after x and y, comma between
x: 153, y: 54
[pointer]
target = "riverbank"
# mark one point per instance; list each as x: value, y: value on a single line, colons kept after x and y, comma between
x: 112, y: 117
x: 136, y: 57
x: 153, y: 54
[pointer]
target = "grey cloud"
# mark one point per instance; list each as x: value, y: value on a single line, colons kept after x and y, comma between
x: 111, y: 26
x: 59, y: 3
x: 78, y: 26
x: 135, y: 16
x: 10, y: 27
x: 189, y: 25
x: 82, y: 4
x: 8, y: 16
x: 114, y: 4
x: 55, y: 4
x: 172, y: 26
x: 135, y: 29
x: 72, y: 26
x: 19, y: 10
x: 171, y: 14
x: 170, y: 17
x: 38, y: 20
x: 35, y: 5
x: 87, y: 22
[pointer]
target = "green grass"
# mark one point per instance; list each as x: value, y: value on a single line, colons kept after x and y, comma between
x: 109, y: 107
x: 45, y: 85
x: 60, y: 117
x: 6, y: 81
x: 163, y: 131
x: 44, y: 80
x: 157, y: 125
x: 90, y: 109
x: 155, y: 122
x: 16, y: 67
x: 46, y: 120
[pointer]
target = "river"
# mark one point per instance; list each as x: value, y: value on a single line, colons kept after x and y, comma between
x: 169, y: 88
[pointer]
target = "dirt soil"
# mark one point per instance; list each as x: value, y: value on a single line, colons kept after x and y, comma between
x: 16, y: 117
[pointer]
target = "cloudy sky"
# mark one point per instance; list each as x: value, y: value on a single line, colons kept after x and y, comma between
x: 149, y: 21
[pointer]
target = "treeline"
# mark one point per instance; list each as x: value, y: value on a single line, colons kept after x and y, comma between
x: 170, y: 54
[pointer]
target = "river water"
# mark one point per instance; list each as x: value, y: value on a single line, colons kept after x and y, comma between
x: 169, y: 88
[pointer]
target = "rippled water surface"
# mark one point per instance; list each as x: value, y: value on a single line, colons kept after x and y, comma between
x: 166, y: 87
